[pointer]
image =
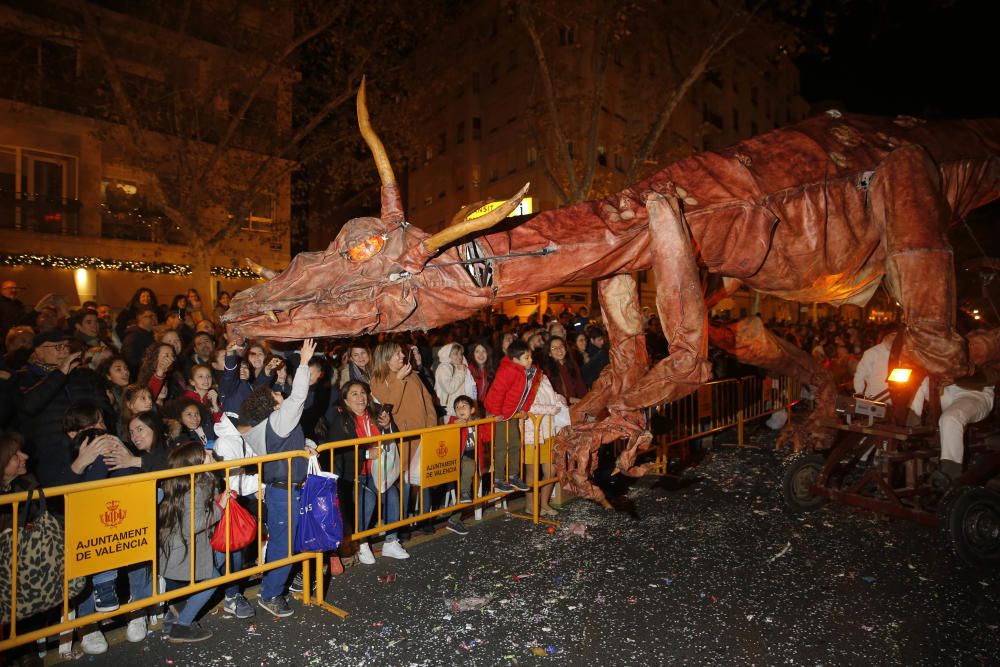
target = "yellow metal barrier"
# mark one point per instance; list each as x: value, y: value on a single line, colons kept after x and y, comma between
x: 114, y: 487
x: 714, y: 407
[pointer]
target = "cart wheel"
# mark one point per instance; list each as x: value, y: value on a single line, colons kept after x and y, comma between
x: 973, y: 525
x: 800, y: 475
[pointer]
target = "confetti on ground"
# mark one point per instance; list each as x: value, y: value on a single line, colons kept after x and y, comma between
x: 706, y: 570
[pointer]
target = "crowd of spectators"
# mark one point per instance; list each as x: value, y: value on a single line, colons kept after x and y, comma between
x: 101, y: 391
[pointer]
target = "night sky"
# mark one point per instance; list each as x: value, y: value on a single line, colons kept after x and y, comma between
x: 929, y: 58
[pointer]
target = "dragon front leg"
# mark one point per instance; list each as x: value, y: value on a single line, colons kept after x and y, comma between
x: 577, y: 446
x: 749, y: 341
x: 626, y: 386
x: 680, y: 304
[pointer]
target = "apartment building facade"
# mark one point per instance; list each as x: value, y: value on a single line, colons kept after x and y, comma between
x: 77, y: 215
x: 481, y: 136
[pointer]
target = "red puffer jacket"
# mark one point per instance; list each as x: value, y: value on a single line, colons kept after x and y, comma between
x: 510, y: 391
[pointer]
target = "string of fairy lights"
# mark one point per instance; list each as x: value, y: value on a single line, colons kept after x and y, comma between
x: 105, y: 264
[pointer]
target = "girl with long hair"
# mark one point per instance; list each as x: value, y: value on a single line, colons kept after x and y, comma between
x: 155, y: 371
x: 135, y: 398
x: 482, y: 366
x: 563, y: 371
x: 114, y: 375
x: 200, y: 389
x: 178, y: 544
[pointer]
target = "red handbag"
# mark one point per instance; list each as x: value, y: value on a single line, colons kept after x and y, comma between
x: 237, y: 525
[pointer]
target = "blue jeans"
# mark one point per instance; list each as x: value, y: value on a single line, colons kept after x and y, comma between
x: 368, y: 501
x: 235, y: 565
x: 277, y: 501
x: 140, y: 584
x: 194, y: 603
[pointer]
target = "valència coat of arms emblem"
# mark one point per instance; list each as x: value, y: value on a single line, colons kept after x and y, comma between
x: 113, y: 515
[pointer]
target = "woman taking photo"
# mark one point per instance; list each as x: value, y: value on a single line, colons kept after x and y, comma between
x: 395, y: 384
x: 376, y: 475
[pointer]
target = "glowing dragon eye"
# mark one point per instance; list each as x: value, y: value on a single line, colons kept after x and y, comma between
x: 366, y: 249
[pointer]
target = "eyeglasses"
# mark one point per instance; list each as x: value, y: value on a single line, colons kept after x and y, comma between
x: 58, y: 347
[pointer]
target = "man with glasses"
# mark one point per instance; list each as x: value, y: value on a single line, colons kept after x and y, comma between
x: 11, y: 309
x: 52, y: 381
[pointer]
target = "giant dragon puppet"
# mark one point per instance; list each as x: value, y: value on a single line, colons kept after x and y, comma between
x: 820, y: 211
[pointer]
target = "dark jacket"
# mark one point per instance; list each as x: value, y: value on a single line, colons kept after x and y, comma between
x: 43, y: 397
x: 134, y: 345
x: 232, y: 390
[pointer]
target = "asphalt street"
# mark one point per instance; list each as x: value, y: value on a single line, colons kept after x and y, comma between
x: 707, y: 570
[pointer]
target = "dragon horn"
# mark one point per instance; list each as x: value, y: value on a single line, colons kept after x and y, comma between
x: 392, y: 205
x: 457, y: 231
x: 261, y: 271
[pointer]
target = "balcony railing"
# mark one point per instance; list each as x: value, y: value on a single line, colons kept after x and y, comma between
x: 138, y: 225
x: 36, y: 213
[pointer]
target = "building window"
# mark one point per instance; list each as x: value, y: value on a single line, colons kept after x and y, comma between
x: 428, y: 200
x: 128, y: 213
x: 477, y: 128
x: 617, y: 57
x: 511, y: 60
x: 736, y: 120
x: 569, y: 149
x: 602, y: 156
x: 494, y: 174
x: 460, y: 91
x: 428, y: 153
x: 474, y: 174
x: 710, y: 117
x: 460, y: 133
x: 619, y: 162
x: 532, y: 155
x: 494, y: 72
x: 442, y: 144
x: 475, y: 82
x: 754, y: 129
x: 753, y: 95
x: 260, y: 217
x: 567, y: 36
x: 714, y: 77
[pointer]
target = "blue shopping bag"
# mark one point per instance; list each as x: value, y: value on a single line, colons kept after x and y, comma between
x: 321, y: 527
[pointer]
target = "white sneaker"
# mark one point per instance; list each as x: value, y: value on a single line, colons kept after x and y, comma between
x: 94, y: 643
x: 365, y: 555
x: 136, y: 631
x: 394, y: 550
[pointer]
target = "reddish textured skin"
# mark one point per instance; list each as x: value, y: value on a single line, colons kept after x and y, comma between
x: 818, y: 211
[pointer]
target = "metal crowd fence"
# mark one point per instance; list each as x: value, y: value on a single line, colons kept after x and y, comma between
x: 105, y: 505
x: 111, y: 524
x: 717, y: 406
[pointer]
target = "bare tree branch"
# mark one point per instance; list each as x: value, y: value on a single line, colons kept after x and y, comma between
x: 602, y: 29
x: 263, y: 170
x: 734, y: 25
x: 562, y: 146
x: 269, y: 68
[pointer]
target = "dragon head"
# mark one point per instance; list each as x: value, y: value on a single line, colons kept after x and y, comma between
x: 377, y: 274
